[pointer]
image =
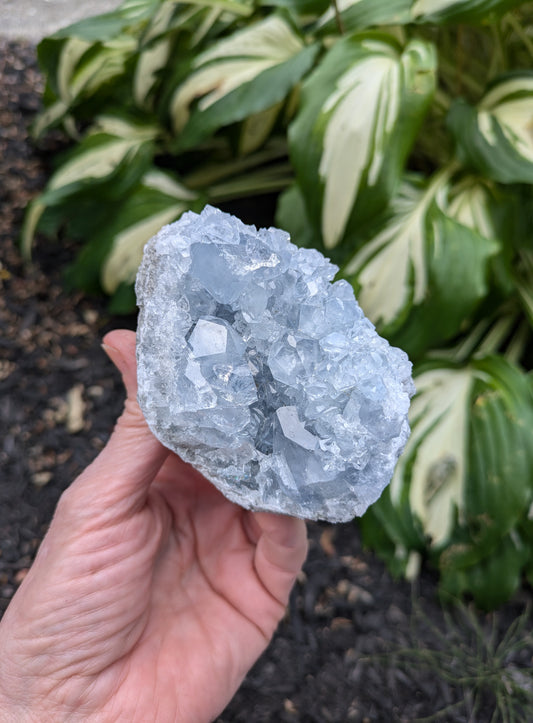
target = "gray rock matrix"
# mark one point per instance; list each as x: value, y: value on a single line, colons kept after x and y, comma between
x: 266, y: 376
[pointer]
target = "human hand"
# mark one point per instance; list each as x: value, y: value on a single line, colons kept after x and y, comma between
x: 151, y: 595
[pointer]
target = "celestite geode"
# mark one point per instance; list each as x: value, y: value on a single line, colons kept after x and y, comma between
x: 263, y: 374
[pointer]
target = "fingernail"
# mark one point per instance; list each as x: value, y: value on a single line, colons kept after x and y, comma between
x: 113, y: 353
x: 108, y: 349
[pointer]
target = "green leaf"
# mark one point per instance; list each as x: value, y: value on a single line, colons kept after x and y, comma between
x: 495, y: 138
x: 460, y: 11
x: 422, y: 274
x: 291, y: 215
x: 488, y: 210
x: 492, y: 580
x: 393, y: 531
x: 256, y: 129
x: 123, y: 300
x: 241, y: 75
x: 359, y: 115
x: 361, y: 14
x: 302, y: 7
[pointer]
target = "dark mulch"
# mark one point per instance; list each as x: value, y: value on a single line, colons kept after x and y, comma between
x: 336, y: 655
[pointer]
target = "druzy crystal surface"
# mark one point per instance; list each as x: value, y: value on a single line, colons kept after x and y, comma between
x: 266, y: 376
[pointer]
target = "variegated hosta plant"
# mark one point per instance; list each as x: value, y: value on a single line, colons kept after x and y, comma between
x: 397, y: 135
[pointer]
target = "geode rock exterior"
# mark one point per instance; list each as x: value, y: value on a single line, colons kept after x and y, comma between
x: 263, y: 374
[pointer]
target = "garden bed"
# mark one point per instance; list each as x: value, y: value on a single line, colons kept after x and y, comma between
x: 355, y: 644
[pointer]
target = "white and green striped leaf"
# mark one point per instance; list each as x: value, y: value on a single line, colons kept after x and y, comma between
x: 110, y: 258
x: 126, y: 253
x: 158, y: 40
x: 495, y: 138
x: 359, y: 115
x: 459, y: 11
x: 150, y: 63
x: 471, y: 203
x: 361, y: 14
x: 79, y: 71
x: 160, y: 23
x: 96, y: 69
x: 96, y: 160
x: 107, y: 26
x: 423, y: 274
x: 50, y: 117
x: 159, y: 200
x: 100, y: 160
x: 436, y: 451
x: 241, y: 75
x: 125, y: 127
x: 468, y: 460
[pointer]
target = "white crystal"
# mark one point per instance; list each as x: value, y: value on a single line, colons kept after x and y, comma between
x: 263, y: 374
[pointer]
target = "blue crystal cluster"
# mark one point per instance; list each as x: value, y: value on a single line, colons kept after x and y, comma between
x: 266, y: 376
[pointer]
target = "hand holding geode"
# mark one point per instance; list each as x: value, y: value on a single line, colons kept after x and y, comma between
x: 263, y: 374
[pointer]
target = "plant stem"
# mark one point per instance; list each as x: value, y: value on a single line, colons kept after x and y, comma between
x: 497, y: 334
x: 520, y: 32
x: 500, y: 47
x: 270, y: 180
x: 465, y: 348
x: 466, y: 80
x: 518, y: 343
x: 442, y: 100
x: 338, y: 18
x: 233, y: 191
x: 208, y: 22
x: 211, y: 174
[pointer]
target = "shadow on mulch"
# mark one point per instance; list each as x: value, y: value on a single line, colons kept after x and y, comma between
x: 336, y: 655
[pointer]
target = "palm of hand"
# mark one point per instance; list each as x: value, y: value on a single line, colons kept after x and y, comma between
x: 151, y: 595
x: 179, y: 592
x: 207, y: 614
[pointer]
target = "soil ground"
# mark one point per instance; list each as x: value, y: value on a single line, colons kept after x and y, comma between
x: 355, y: 645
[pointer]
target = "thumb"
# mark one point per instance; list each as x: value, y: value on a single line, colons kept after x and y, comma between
x: 280, y: 552
x: 123, y: 471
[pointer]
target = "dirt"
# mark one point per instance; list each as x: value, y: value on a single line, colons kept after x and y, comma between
x: 355, y: 644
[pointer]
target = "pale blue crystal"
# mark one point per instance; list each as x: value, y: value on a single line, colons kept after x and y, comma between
x: 208, y: 338
x: 266, y: 376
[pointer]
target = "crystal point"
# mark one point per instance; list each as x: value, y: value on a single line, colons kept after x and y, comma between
x: 266, y: 376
